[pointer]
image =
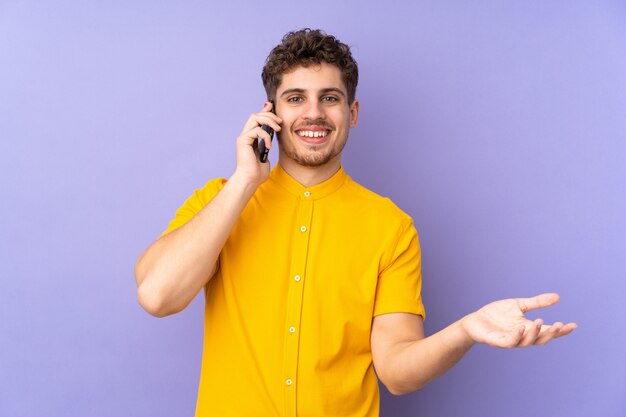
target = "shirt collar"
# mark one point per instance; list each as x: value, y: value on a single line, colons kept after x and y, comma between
x: 315, y: 192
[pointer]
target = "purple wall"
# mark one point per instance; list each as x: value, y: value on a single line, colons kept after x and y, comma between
x: 501, y: 128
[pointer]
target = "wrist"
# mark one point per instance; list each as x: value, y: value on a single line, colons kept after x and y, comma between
x: 460, y: 335
x: 244, y: 183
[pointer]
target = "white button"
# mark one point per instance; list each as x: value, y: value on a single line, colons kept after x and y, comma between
x: 307, y: 194
x: 292, y: 329
x: 289, y: 382
x: 297, y: 278
x: 303, y: 229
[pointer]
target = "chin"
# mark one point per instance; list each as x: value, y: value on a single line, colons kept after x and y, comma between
x: 311, y: 158
x: 312, y: 161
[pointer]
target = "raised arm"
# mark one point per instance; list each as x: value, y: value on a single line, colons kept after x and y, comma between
x: 406, y: 361
x: 172, y: 270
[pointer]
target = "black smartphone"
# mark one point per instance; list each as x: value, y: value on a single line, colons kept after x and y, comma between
x: 263, y: 151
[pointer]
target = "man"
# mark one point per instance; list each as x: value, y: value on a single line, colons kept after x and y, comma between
x: 312, y: 283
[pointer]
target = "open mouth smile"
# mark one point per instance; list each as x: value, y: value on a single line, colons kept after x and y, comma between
x: 313, y: 134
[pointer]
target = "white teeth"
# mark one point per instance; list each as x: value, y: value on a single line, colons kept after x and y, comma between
x: 313, y: 134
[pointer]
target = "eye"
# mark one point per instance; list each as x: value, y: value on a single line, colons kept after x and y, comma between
x: 329, y: 99
x: 295, y: 99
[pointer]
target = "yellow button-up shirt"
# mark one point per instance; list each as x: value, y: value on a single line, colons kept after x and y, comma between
x: 288, y: 315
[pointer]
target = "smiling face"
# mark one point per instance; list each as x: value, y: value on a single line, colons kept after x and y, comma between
x: 313, y: 104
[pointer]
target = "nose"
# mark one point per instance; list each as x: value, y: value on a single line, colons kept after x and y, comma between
x: 314, y: 110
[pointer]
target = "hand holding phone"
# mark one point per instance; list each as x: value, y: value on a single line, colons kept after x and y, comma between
x: 263, y: 150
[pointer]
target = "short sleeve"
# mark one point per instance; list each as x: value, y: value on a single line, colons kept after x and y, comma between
x: 400, y: 282
x: 195, y: 203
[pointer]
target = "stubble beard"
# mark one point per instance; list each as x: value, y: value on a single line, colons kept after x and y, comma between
x: 312, y: 157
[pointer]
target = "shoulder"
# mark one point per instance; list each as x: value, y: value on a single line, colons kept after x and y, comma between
x: 211, y: 188
x: 194, y: 203
x: 382, y: 207
x: 202, y: 196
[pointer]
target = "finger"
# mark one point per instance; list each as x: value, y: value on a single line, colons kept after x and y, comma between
x: 557, y: 330
x: 248, y: 138
x: 567, y: 329
x: 539, y: 301
x: 531, y: 334
x: 265, y: 116
x: 269, y: 109
x: 258, y: 119
x: 269, y: 119
x: 263, y: 135
x: 517, y: 337
x: 505, y: 339
x: 548, y: 333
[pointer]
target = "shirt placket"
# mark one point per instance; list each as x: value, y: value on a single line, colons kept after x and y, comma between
x: 297, y: 279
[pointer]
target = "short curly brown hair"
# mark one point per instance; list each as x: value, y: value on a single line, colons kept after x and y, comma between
x: 307, y: 47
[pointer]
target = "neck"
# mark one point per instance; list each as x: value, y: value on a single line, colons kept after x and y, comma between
x: 310, y: 176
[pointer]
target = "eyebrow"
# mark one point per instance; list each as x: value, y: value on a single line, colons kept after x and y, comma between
x: 323, y: 91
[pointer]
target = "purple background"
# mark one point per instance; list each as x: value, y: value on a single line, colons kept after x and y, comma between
x: 499, y: 126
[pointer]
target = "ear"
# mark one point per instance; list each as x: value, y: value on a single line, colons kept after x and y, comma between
x: 354, y: 113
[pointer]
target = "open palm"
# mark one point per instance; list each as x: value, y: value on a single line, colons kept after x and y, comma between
x: 502, y: 323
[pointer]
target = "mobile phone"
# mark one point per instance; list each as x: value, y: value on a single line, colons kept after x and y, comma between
x: 263, y: 151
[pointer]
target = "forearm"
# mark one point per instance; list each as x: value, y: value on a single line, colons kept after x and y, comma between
x: 406, y: 361
x: 174, y: 269
x: 413, y: 364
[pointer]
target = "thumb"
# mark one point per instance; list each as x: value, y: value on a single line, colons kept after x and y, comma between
x: 539, y: 301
